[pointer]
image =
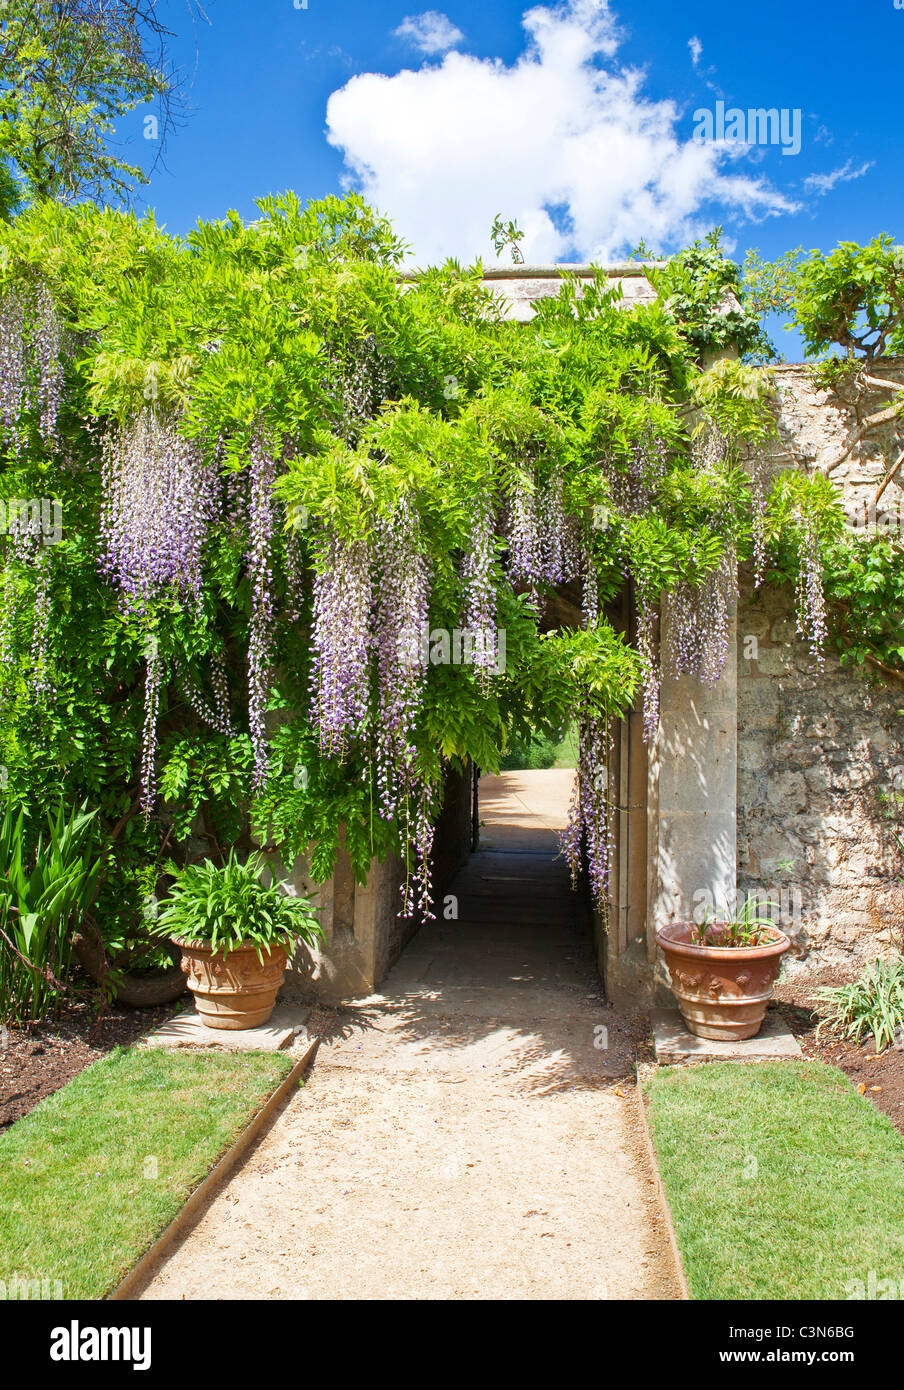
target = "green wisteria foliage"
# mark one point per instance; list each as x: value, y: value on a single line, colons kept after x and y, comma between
x: 281, y: 531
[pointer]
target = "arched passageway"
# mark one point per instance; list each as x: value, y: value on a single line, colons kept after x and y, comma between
x: 508, y: 920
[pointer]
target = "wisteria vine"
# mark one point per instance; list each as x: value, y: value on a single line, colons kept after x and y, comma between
x: 589, y: 828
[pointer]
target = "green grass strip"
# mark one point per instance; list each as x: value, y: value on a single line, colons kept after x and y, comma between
x: 95, y: 1172
x: 782, y: 1181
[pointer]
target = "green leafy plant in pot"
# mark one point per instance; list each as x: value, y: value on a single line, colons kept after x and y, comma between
x: 723, y: 971
x: 236, y: 936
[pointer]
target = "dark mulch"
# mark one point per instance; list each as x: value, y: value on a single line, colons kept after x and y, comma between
x: 37, y: 1062
x: 881, y: 1078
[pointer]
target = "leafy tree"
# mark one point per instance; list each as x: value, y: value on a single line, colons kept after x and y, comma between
x: 69, y: 69
x: 704, y: 291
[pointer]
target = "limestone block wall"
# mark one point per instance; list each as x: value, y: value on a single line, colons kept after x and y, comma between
x: 364, y: 933
x: 821, y: 758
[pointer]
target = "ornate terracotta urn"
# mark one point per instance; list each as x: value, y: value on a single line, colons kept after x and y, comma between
x: 235, y: 990
x: 722, y: 991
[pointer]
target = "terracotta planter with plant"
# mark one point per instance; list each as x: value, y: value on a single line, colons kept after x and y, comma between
x: 723, y: 973
x: 236, y: 936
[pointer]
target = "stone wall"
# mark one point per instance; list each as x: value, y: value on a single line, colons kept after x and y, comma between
x: 818, y: 757
x: 821, y: 757
x: 364, y: 935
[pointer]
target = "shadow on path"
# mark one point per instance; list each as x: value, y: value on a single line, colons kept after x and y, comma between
x: 504, y: 982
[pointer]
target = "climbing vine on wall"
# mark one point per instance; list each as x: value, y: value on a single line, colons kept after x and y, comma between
x: 313, y: 517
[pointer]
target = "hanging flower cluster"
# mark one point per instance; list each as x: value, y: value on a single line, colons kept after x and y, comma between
x: 216, y: 715
x: 28, y: 526
x: 370, y: 616
x: 47, y: 342
x: 633, y: 484
x: 160, y: 500
x: 8, y: 609
x: 31, y: 369
x: 360, y: 376
x: 650, y: 666
x: 480, y: 596
x: 262, y: 519
x: 700, y: 626
x: 341, y: 641
x: 590, y: 593
x: 152, y: 683
x: 810, y: 590
x: 759, y: 487
x: 12, y: 361
x: 417, y: 890
x: 294, y: 566
x: 524, y: 534
x: 559, y: 533
x: 589, y: 820
x: 543, y: 538
x: 219, y: 681
x: 710, y: 452
x: 399, y: 622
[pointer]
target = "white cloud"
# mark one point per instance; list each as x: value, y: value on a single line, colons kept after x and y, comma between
x: 696, y: 48
x: 563, y: 140
x: 824, y: 183
x: 430, y: 32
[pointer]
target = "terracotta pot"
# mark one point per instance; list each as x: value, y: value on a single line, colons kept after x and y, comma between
x: 233, y: 990
x: 722, y: 991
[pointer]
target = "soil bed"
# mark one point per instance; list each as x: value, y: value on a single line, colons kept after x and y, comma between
x: 36, y: 1062
x: 881, y: 1077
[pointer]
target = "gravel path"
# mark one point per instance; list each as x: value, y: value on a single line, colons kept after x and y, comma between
x: 469, y: 1133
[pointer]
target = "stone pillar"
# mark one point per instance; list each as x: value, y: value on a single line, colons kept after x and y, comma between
x: 692, y: 794
x: 364, y: 935
x: 622, y: 940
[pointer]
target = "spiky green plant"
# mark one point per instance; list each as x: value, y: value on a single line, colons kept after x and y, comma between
x: 741, y: 928
x: 225, y: 907
x: 43, y: 893
x: 873, y: 1003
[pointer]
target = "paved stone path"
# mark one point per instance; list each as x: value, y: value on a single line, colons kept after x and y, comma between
x: 463, y: 1134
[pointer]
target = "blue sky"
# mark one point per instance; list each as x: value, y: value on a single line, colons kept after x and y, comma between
x: 575, y: 118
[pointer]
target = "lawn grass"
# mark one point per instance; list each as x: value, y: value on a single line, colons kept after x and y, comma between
x: 79, y: 1199
x: 566, y: 751
x: 782, y: 1181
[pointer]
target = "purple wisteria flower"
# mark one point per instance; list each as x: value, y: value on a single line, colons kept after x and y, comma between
x: 480, y: 594
x: 160, y: 499
x: 810, y: 589
x: 341, y: 639
x: 589, y: 824
x: 700, y: 627
x: 47, y: 343
x: 12, y: 361
x: 262, y: 519
x: 32, y: 340
x: 650, y: 666
x: 400, y: 619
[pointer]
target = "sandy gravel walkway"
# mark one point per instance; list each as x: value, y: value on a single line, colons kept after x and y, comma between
x: 462, y: 1135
